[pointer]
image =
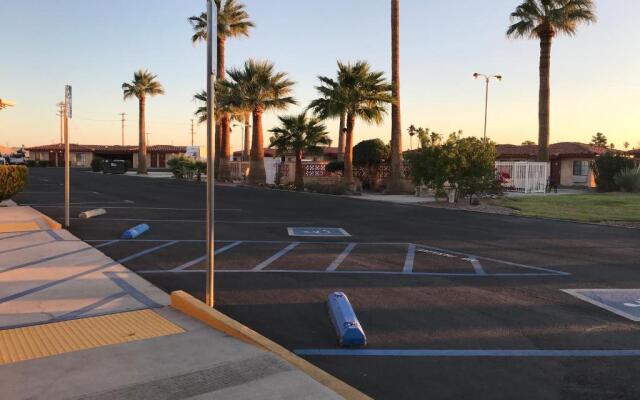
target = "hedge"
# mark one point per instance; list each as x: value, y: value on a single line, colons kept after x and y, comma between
x: 13, y: 178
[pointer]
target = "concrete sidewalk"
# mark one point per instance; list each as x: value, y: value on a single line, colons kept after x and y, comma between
x: 75, y: 324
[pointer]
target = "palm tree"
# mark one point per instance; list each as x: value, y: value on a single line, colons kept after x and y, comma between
x: 259, y: 88
x: 412, y: 132
x: 233, y: 21
x: 543, y: 20
x: 299, y: 134
x: 144, y: 84
x: 359, y: 93
x: 395, y: 183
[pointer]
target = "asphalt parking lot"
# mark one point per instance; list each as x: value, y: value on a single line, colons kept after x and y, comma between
x: 455, y: 304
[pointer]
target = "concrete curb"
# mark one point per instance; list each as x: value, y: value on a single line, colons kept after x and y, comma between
x: 194, y: 308
x: 52, y: 224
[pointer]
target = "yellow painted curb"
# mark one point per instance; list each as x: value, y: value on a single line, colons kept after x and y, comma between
x: 26, y: 226
x: 193, y: 307
x: 31, y: 342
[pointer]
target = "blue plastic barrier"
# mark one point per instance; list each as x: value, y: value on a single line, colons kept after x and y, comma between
x: 348, y: 328
x: 135, y: 231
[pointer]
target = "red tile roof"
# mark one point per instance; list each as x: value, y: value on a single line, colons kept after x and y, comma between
x: 556, y: 150
x: 86, y: 148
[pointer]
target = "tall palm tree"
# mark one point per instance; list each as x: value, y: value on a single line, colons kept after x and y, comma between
x: 299, y: 134
x: 341, y: 134
x: 358, y: 92
x: 144, y: 84
x: 395, y: 183
x: 233, y: 21
x: 259, y: 88
x: 543, y: 20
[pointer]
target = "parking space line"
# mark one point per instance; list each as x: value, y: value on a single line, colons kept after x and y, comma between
x: 465, y: 353
x: 409, y: 259
x: 200, y: 259
x: 106, y: 244
x: 274, y: 257
x: 341, y: 257
x: 145, y: 252
x: 297, y: 271
x: 476, y: 266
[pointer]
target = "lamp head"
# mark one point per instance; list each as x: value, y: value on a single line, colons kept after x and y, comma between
x: 476, y: 75
x: 499, y: 77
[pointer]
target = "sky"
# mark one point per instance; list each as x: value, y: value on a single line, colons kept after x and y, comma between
x: 95, y: 46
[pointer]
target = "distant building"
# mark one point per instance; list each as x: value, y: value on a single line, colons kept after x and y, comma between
x: 570, y: 162
x: 81, y: 154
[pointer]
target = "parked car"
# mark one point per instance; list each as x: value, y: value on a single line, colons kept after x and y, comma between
x: 3, y: 160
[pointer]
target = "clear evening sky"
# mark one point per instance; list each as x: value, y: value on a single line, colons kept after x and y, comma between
x: 96, y: 45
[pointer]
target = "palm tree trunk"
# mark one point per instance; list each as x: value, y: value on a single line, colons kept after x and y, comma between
x: 299, y: 181
x: 395, y: 183
x: 247, y: 136
x: 142, y: 148
x: 544, y: 98
x: 341, y: 137
x: 224, y: 169
x: 257, y: 174
x: 347, y: 175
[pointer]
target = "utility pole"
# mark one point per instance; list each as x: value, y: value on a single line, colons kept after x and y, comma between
x: 122, y: 115
x: 211, y: 80
x: 61, y: 115
x: 67, y: 155
x: 487, y: 79
x: 192, y: 133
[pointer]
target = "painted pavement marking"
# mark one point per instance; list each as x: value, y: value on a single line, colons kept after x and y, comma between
x: 408, y: 261
x: 476, y: 265
x: 200, y: 259
x: 622, y: 302
x: 317, y: 232
x: 341, y: 257
x: 274, y: 257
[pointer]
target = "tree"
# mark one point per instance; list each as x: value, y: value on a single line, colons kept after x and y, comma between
x: 144, y: 84
x: 599, y: 140
x: 528, y: 143
x: 259, y: 88
x: 626, y: 145
x: 607, y: 167
x: 359, y: 93
x: 232, y: 22
x: 544, y: 19
x: 412, y: 132
x: 396, y: 183
x: 370, y: 154
x: 299, y: 134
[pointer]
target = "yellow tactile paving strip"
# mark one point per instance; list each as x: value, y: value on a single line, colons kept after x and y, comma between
x: 56, y: 338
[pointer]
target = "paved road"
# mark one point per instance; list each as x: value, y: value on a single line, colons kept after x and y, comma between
x: 422, y: 280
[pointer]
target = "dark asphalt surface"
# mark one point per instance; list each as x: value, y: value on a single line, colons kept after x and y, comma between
x: 520, y: 311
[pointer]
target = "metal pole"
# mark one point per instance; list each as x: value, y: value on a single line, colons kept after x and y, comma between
x: 209, y: 295
x: 486, y: 109
x: 67, y: 163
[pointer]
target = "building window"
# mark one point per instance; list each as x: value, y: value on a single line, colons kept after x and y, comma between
x: 581, y: 168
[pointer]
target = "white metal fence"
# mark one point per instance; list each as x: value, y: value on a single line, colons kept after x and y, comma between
x: 523, y: 176
x: 240, y: 169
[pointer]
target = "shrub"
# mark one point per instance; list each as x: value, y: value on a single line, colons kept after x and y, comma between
x: 31, y: 163
x: 182, y: 167
x: 96, y: 164
x: 43, y: 163
x: 334, y: 166
x: 606, y: 167
x: 13, y: 178
x: 628, y: 180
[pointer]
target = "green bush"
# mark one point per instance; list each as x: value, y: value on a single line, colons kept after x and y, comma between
x: 338, y: 189
x: 182, y: 167
x: 13, y: 178
x: 606, y: 167
x: 96, y: 164
x: 628, y: 180
x: 334, y: 166
x: 31, y: 163
x: 43, y: 163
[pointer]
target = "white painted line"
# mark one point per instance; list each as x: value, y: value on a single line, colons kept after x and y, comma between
x: 476, y: 265
x: 193, y: 221
x: 316, y: 231
x: 409, y: 259
x: 341, y: 257
x: 274, y: 257
x: 465, y: 353
x: 145, y: 252
x: 106, y: 244
x: 576, y: 293
x: 200, y: 259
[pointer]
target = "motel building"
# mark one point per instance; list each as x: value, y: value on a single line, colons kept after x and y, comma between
x: 82, y: 155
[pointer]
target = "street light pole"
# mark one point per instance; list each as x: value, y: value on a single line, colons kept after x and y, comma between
x: 209, y: 295
x: 487, y: 79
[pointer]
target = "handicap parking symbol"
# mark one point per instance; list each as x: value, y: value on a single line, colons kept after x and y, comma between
x: 317, y: 232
